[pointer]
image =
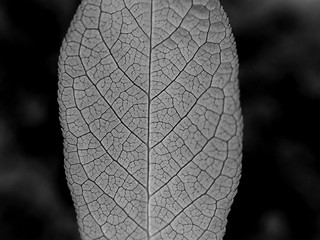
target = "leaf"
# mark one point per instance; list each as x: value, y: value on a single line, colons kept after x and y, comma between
x: 152, y: 126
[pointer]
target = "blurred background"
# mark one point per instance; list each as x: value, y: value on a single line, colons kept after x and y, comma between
x: 278, y: 44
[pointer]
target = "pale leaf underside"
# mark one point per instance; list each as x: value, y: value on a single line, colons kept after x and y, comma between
x: 149, y: 105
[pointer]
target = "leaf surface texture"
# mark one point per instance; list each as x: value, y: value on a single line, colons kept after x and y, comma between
x: 151, y: 119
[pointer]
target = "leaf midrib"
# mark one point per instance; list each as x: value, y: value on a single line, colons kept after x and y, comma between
x: 148, y: 121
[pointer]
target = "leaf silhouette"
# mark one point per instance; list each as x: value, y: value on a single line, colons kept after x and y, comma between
x: 152, y: 126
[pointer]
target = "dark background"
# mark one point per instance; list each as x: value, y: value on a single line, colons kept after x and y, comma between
x: 278, y: 44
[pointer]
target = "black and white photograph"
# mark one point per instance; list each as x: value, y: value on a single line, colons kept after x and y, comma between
x: 159, y: 120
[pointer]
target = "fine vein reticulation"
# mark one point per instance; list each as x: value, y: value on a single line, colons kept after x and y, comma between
x: 151, y: 119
